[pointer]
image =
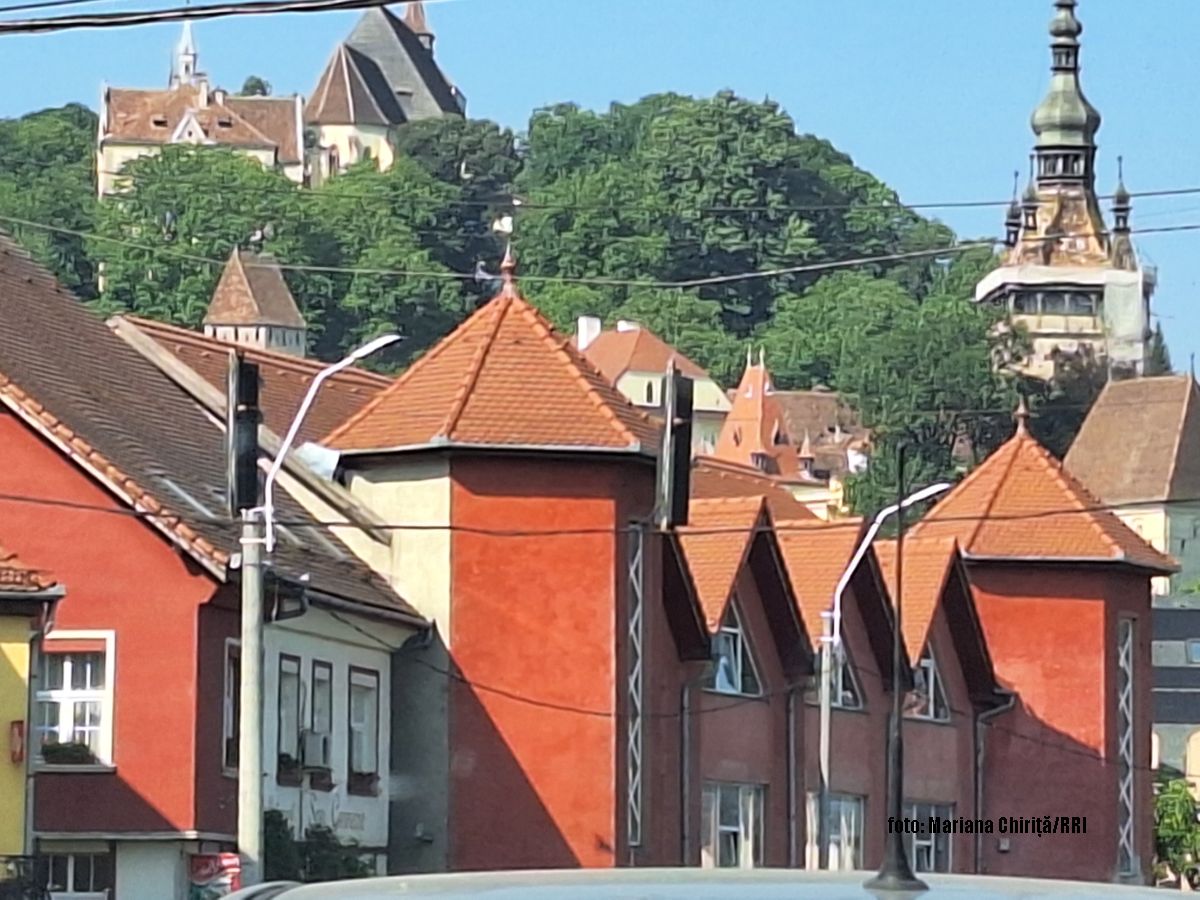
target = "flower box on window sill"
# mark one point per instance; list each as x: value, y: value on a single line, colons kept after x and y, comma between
x: 320, y: 779
x: 363, y: 784
x: 72, y: 754
x: 288, y: 772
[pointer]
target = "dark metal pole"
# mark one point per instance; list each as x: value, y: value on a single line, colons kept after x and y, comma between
x: 896, y: 873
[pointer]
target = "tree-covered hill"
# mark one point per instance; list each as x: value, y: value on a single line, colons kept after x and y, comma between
x: 612, y: 209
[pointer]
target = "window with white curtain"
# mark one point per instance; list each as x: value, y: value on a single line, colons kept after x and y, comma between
x: 364, y: 722
x: 845, y: 831
x: 289, y: 709
x: 731, y: 828
x: 733, y: 669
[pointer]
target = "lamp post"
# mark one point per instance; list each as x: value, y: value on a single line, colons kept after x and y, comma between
x: 831, y: 648
x: 258, y: 531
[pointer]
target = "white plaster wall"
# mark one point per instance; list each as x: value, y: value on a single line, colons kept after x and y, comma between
x: 322, y: 636
x: 151, y: 870
x: 415, y: 492
x: 1151, y: 524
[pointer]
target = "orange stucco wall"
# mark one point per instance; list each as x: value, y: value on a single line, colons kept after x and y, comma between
x: 537, y: 752
x: 1052, y: 636
x: 120, y: 575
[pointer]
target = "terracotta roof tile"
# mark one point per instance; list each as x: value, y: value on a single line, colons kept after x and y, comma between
x: 284, y: 379
x: 927, y: 565
x: 1020, y: 504
x: 16, y: 577
x: 754, y: 426
x: 504, y: 377
x: 252, y: 291
x: 1141, y: 442
x: 616, y: 352
x: 152, y: 116
x: 717, y: 478
x: 816, y: 554
x: 154, y: 444
x: 715, y: 543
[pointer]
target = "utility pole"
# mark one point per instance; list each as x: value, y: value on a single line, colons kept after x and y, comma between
x: 242, y: 421
x: 896, y: 873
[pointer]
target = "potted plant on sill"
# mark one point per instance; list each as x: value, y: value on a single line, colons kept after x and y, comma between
x: 363, y: 783
x: 72, y: 753
x: 288, y: 771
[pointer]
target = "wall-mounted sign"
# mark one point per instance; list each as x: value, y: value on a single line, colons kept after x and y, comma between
x: 213, y: 875
x: 16, y: 742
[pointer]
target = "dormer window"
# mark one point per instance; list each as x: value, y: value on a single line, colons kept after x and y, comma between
x: 733, y: 669
x: 225, y: 122
x: 928, y: 699
x: 159, y: 121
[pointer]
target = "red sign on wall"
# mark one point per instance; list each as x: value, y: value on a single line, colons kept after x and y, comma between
x: 213, y: 875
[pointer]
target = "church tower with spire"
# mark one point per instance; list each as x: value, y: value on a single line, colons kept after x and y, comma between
x: 1074, y: 285
x: 184, y: 58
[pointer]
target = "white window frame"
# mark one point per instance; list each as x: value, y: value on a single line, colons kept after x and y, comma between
x: 71, y: 857
x: 287, y: 739
x: 930, y: 705
x: 105, y: 696
x: 230, y: 709
x: 742, y: 661
x: 846, y: 816
x: 1190, y: 645
x: 363, y: 677
x: 749, y: 829
x: 926, y: 846
x: 321, y: 665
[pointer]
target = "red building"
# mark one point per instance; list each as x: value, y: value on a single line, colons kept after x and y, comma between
x: 1062, y: 589
x: 114, y: 479
x: 743, y: 729
x: 527, y: 482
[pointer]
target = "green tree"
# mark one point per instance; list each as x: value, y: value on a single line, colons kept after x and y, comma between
x: 1158, y: 358
x: 48, y: 178
x: 165, y: 239
x: 254, y: 86
x: 1176, y: 828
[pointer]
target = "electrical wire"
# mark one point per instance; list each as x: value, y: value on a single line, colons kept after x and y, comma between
x: 179, y: 14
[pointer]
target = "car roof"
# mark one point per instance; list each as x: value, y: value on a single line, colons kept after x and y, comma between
x: 697, y: 884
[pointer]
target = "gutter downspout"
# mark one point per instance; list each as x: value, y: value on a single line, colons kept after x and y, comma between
x: 980, y: 723
x: 685, y: 767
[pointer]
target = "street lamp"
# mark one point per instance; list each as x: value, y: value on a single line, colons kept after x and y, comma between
x: 258, y: 531
x: 831, y: 648
x: 268, y: 507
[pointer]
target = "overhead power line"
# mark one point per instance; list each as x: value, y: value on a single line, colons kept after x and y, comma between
x: 178, y: 14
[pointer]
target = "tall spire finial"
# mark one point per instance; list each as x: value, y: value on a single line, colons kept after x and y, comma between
x: 1012, y: 220
x: 183, y: 61
x: 508, y: 267
x: 1065, y: 123
x: 414, y: 18
x: 1022, y: 415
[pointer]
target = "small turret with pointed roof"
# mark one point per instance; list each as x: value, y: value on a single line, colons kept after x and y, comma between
x: 1012, y: 219
x: 418, y: 24
x: 1122, y: 200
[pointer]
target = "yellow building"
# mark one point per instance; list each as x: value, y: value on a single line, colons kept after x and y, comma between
x: 26, y: 601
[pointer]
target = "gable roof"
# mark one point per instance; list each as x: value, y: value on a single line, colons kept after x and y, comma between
x: 715, y: 544
x: 407, y: 65
x: 283, y: 378
x: 822, y: 424
x: 352, y: 91
x: 928, y: 563
x: 153, y: 116
x: 637, y: 349
x: 1021, y: 504
x: 144, y: 439
x: 252, y: 292
x: 503, y: 378
x: 713, y: 478
x: 1162, y: 463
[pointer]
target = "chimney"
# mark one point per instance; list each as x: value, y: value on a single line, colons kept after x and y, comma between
x: 219, y: 96
x: 202, y: 91
x: 626, y: 325
x: 587, y: 329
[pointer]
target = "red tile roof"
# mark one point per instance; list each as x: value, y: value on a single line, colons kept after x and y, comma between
x: 284, y: 378
x: 928, y: 562
x: 713, y: 478
x: 16, y: 577
x: 504, y: 378
x: 715, y: 544
x: 755, y: 425
x: 151, y: 117
x: 816, y: 554
x: 1021, y: 504
x: 252, y: 291
x: 637, y: 350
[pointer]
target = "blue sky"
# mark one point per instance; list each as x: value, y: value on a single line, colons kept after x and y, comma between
x: 933, y: 96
